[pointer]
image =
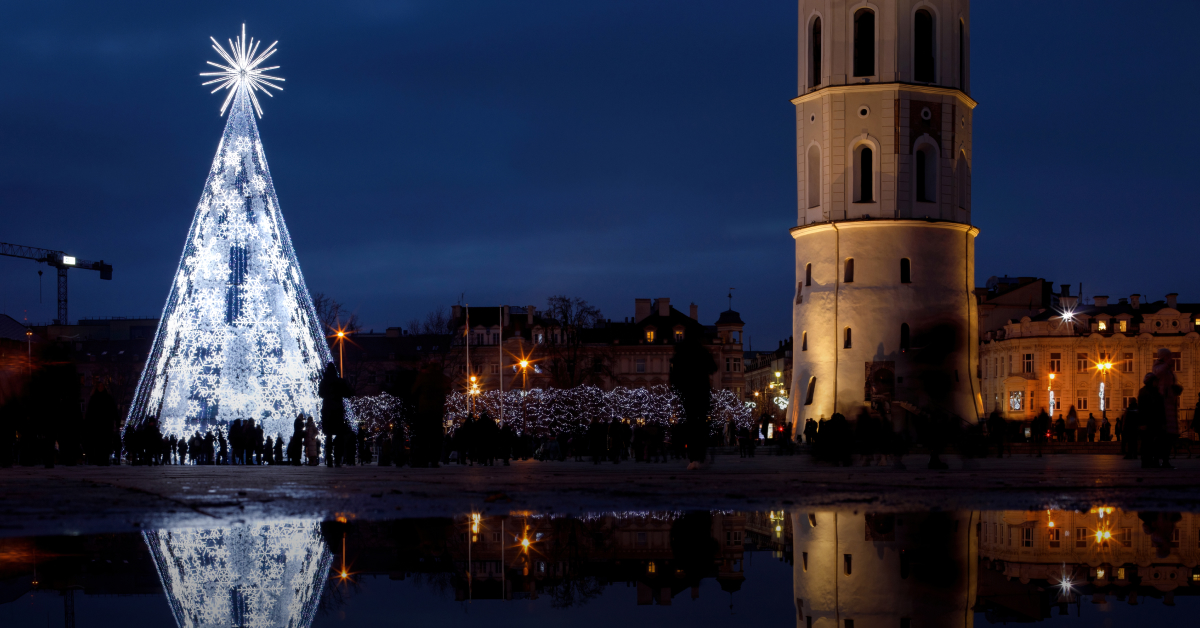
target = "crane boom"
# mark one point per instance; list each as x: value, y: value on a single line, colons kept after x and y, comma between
x: 62, y: 262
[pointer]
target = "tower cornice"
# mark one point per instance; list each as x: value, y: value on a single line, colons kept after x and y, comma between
x: 897, y: 86
x: 883, y: 222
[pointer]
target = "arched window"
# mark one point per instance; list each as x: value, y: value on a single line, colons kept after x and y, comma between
x: 904, y: 341
x: 808, y: 274
x: 864, y: 174
x: 814, y: 54
x: 924, y: 62
x: 962, y: 56
x: 799, y: 292
x: 848, y: 277
x: 864, y: 42
x: 804, y: 341
x: 812, y: 388
x: 905, y: 270
x: 814, y: 176
x: 847, y: 340
x: 926, y: 159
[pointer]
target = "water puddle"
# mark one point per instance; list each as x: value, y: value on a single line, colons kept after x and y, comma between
x: 835, y: 569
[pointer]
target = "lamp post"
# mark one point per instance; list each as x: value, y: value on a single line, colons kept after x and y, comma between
x: 341, y: 339
x: 1105, y: 368
x: 524, y: 394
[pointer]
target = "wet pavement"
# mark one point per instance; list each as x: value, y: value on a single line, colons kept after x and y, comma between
x: 74, y: 500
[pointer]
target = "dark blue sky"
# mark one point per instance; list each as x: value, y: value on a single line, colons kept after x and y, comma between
x: 608, y: 150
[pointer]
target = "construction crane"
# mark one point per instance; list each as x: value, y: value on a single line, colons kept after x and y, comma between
x: 63, y: 263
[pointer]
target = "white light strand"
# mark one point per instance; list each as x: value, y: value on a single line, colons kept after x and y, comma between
x: 565, y: 410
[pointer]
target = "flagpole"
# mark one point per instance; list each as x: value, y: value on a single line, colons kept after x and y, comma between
x: 467, y: 332
x: 501, y: 369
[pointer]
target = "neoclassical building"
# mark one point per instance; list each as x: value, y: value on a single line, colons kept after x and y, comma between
x: 1091, y: 356
x: 884, y: 305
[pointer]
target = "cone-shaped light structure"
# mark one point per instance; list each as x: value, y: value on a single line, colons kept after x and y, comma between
x: 238, y: 338
x: 267, y: 575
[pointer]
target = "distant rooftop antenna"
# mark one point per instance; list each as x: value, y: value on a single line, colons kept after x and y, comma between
x: 730, y: 295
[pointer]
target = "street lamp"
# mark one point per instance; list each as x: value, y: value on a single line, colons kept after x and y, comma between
x: 525, y: 388
x: 341, y: 339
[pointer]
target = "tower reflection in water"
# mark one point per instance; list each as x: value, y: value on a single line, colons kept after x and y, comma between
x: 257, y: 575
x: 855, y: 569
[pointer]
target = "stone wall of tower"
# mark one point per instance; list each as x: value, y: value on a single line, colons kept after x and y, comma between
x: 917, y: 566
x: 902, y: 119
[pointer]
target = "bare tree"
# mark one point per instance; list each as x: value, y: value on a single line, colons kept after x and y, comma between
x: 564, y: 345
x: 332, y: 314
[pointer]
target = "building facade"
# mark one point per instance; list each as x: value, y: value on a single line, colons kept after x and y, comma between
x: 635, y: 352
x: 1091, y: 356
x: 768, y: 375
x: 884, y: 307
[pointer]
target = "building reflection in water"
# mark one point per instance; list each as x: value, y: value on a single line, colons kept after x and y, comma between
x: 865, y: 569
x: 1034, y: 561
x: 571, y: 559
x: 848, y: 569
x: 257, y: 575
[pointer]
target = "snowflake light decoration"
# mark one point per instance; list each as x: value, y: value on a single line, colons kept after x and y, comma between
x: 238, y: 337
x: 262, y: 575
x: 243, y: 74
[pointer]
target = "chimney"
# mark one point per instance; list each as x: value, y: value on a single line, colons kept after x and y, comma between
x: 694, y: 312
x: 1100, y: 301
x: 664, y: 306
x: 1171, y: 299
x: 529, y: 315
x: 504, y: 316
x: 1135, y: 300
x: 456, y: 312
x: 1066, y: 290
x: 1069, y: 303
x: 641, y: 309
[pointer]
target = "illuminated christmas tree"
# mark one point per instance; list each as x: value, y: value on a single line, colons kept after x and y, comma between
x: 238, y: 338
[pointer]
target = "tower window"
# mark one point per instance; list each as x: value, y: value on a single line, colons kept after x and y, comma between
x: 864, y: 175
x: 924, y: 61
x: 848, y: 277
x: 847, y: 340
x: 904, y: 337
x: 814, y: 176
x: 926, y: 174
x: 808, y: 274
x: 905, y: 270
x: 799, y: 292
x: 808, y: 396
x: 804, y: 341
x: 864, y: 42
x: 814, y: 54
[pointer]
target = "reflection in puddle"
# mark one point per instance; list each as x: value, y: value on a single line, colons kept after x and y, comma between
x: 826, y: 569
x: 257, y: 575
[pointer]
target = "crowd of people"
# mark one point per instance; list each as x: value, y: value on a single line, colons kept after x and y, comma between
x: 1147, y: 428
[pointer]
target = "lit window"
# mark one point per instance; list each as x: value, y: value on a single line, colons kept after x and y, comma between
x: 649, y: 335
x: 1016, y: 400
x: 1122, y: 325
x: 1102, y: 325
x: 678, y: 335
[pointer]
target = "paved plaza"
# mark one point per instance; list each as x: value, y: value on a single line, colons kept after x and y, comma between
x: 99, y: 499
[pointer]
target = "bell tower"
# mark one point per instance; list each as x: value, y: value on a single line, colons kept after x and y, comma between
x: 884, y: 307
